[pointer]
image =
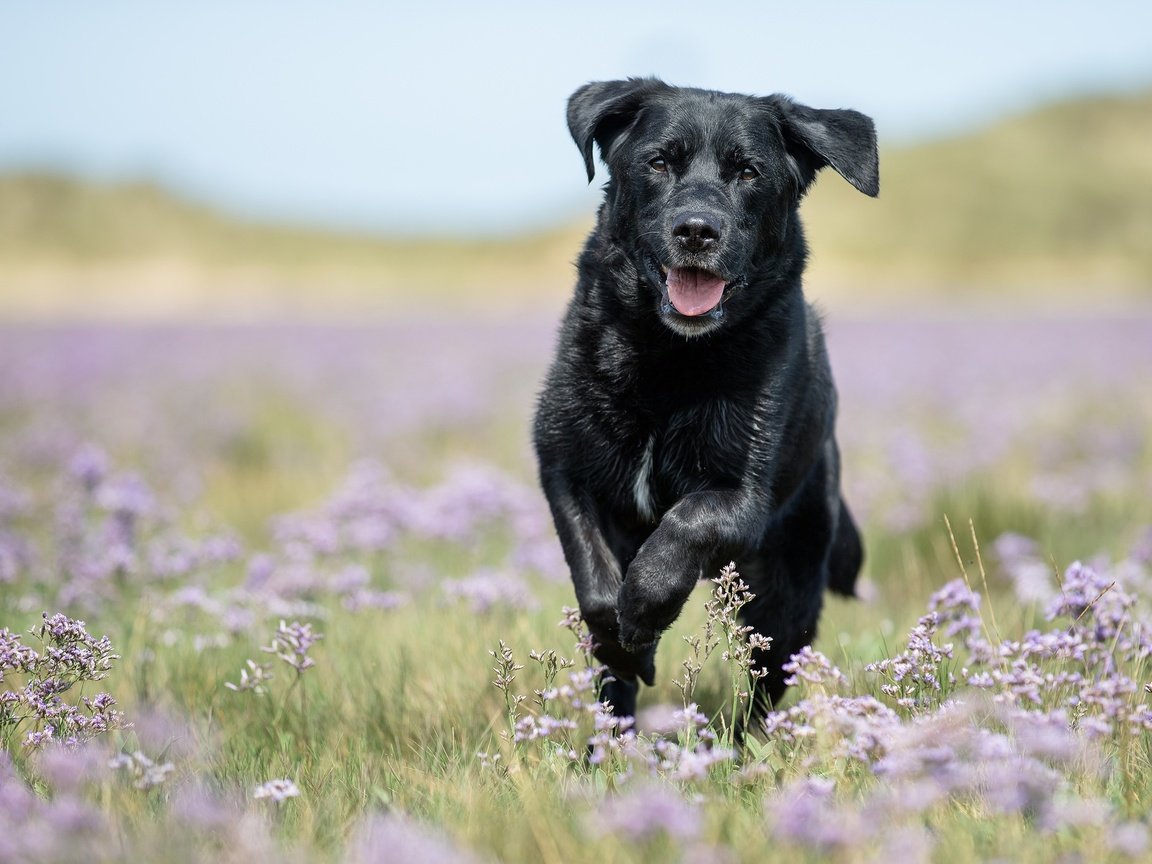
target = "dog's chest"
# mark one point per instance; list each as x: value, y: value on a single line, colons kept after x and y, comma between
x: 693, y: 450
x: 642, y: 483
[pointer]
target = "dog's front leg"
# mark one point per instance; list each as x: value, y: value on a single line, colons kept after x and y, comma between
x: 596, y: 576
x: 694, y: 533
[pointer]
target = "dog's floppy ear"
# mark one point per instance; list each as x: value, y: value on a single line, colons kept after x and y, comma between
x: 600, y: 111
x: 841, y: 138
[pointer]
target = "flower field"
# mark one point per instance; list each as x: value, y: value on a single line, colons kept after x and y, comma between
x: 290, y: 592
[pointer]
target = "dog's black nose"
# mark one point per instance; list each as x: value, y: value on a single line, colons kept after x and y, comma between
x: 696, y: 231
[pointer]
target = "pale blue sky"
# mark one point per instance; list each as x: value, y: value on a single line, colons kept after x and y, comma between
x: 450, y: 116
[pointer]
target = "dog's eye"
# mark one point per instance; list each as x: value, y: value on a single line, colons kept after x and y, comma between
x: 748, y: 173
x: 659, y: 164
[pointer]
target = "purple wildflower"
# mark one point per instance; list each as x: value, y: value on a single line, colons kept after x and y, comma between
x: 291, y: 643
x: 914, y: 676
x: 198, y: 806
x: 35, y: 829
x: 854, y: 728
x: 813, y: 669
x: 1141, y: 552
x: 1012, y: 547
x: 1096, y: 605
x: 959, y: 609
x: 488, y: 589
x: 696, y: 763
x: 1045, y: 736
x: 1071, y: 812
x: 671, y: 719
x: 89, y: 465
x: 127, y: 498
x: 1129, y: 838
x: 534, y: 727
x: 253, y: 679
x: 368, y: 598
x: 647, y: 812
x: 15, y: 553
x: 907, y: 844
x: 806, y: 814
x: 395, y: 837
x: 278, y: 791
x: 70, y: 655
x: 144, y: 772
x: 612, y: 736
x: 68, y: 770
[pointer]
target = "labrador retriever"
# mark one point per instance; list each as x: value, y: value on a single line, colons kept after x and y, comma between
x: 688, y: 418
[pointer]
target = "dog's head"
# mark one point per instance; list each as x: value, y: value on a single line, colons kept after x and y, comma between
x: 704, y: 188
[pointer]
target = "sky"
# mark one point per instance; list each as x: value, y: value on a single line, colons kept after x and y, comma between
x: 449, y: 117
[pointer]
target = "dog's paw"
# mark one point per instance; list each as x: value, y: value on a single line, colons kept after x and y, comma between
x: 654, y: 591
x: 635, y: 636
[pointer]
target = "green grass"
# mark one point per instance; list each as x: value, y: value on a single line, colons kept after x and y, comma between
x: 400, y: 702
x: 399, y: 705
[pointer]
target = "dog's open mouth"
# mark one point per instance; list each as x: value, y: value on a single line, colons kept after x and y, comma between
x: 692, y: 291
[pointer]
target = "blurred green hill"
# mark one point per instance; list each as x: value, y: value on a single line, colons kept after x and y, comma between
x: 1058, y: 200
x: 134, y: 248
x: 1053, y: 205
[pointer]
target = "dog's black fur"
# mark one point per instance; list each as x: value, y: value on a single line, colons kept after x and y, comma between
x: 681, y: 428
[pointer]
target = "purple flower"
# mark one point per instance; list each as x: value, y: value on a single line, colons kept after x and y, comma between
x: 144, y: 772
x: 805, y: 813
x: 197, y: 805
x: 67, y: 770
x: 850, y: 727
x: 489, y: 589
x: 261, y: 568
x: 666, y: 719
x: 906, y: 844
x: 646, y: 812
x: 1010, y: 547
x: 253, y: 679
x: 15, y: 553
x: 1046, y: 736
x: 291, y: 643
x: 1128, y: 838
x: 914, y: 676
x: 89, y: 465
x: 395, y: 837
x: 127, y: 498
x: 368, y: 598
x: 1018, y: 785
x: 696, y: 763
x: 14, y: 655
x: 1094, y: 602
x: 1071, y: 812
x: 531, y: 727
x: 813, y: 669
x: 70, y: 655
x: 959, y: 609
x: 276, y: 790
x: 1141, y: 552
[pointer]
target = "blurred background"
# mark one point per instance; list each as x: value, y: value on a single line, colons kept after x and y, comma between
x: 273, y: 159
x: 279, y: 282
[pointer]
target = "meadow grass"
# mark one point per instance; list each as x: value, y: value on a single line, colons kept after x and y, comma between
x: 400, y: 746
x: 399, y: 705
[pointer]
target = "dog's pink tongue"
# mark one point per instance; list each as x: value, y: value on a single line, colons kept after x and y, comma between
x: 694, y: 291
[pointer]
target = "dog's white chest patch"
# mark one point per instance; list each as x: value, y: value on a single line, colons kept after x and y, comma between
x: 642, y: 483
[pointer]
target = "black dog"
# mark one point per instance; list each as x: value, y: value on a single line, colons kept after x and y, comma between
x: 688, y: 418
